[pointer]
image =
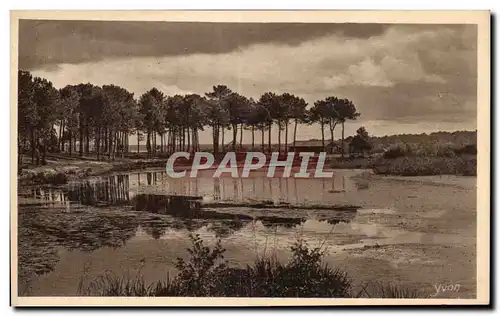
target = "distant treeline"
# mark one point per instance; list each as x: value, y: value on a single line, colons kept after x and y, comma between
x: 89, y: 119
x: 424, y: 144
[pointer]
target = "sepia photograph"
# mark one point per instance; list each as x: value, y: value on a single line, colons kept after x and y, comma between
x: 250, y: 158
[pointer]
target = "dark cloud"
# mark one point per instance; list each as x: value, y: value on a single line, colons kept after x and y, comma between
x: 393, y: 73
x: 414, y: 102
x: 53, y: 42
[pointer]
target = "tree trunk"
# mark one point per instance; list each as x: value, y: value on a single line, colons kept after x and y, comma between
x: 193, y: 140
x: 323, y: 134
x: 81, y: 136
x: 123, y: 143
x: 253, y: 137
x: 294, y: 134
x: 87, y: 138
x: 33, y: 146
x: 155, y: 139
x: 183, y: 137
x: 98, y: 141
x: 269, y: 137
x: 213, y: 140
x: 70, y: 136
x: 197, y: 140
x: 331, y: 132
x: 235, y: 133
x: 161, y: 143
x: 179, y: 138
x: 262, y: 139
x: 286, y: 136
x: 279, y: 136
x: 60, y: 135
x: 44, y: 151
x: 148, y: 143
x: 74, y: 143
x: 222, y: 142
x: 167, y: 141
x: 37, y: 150
x: 110, y: 143
x: 241, y: 136
x: 105, y: 140
x: 138, y: 142
x: 172, y: 136
x: 116, y: 143
x: 127, y: 142
x: 342, y: 149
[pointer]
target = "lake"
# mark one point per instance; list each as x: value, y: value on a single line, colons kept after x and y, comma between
x: 417, y: 231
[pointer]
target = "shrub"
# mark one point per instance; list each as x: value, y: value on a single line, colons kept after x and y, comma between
x: 467, y: 150
x: 207, y: 274
x: 396, y: 152
x: 445, y: 151
x: 426, y: 166
x: 388, y: 290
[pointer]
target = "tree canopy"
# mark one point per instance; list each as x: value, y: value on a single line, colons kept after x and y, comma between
x: 97, y: 120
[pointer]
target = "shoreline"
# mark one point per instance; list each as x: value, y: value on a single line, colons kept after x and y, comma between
x: 62, y: 169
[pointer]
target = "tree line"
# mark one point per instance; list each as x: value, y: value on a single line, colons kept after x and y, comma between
x: 87, y: 119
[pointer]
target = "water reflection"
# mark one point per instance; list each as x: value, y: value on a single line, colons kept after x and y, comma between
x: 110, y: 211
x: 120, y: 189
x: 108, y: 191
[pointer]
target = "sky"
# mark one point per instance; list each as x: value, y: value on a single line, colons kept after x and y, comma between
x: 417, y: 78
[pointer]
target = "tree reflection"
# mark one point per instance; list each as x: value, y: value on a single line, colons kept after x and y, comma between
x: 155, y: 227
x: 275, y: 221
x: 226, y: 228
x: 339, y: 217
x: 113, y: 190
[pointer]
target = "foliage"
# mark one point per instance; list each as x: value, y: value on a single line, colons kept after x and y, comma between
x: 205, y: 273
x: 425, y: 165
x: 330, y: 112
x: 361, y: 142
x: 396, y: 152
x: 388, y: 290
x: 461, y: 142
x: 38, y: 106
x: 98, y: 120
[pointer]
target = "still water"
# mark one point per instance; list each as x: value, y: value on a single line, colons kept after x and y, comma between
x: 121, y: 188
x: 140, y: 221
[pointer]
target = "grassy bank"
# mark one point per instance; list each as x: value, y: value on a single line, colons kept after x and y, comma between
x: 207, y: 274
x: 426, y: 166
x: 60, y: 169
x: 412, y: 165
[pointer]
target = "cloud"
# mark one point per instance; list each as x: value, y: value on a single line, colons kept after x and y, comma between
x: 407, y: 73
x: 52, y: 42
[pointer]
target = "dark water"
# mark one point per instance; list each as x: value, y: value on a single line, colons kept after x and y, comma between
x: 132, y: 221
x: 121, y: 188
x: 109, y: 212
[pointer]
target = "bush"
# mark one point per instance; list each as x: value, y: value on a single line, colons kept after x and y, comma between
x: 207, y: 274
x: 396, y: 152
x: 445, y: 151
x: 426, y: 166
x: 388, y: 290
x: 467, y: 150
